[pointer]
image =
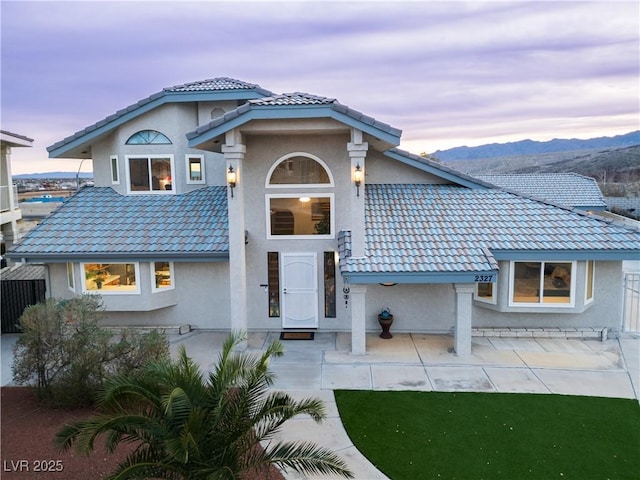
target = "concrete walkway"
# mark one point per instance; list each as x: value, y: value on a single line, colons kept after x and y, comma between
x: 420, y: 362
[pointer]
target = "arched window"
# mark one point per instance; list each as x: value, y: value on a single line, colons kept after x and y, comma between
x: 148, y: 137
x: 301, y: 169
x: 304, y: 207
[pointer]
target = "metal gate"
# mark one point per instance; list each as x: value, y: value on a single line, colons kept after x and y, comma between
x: 631, y: 303
x: 20, y: 287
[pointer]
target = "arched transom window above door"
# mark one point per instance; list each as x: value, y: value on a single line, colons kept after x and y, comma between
x: 299, y: 169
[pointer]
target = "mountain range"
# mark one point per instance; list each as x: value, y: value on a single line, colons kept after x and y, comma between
x: 517, y: 155
x: 531, y: 147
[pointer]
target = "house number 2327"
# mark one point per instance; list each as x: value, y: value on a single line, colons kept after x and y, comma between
x: 483, y: 278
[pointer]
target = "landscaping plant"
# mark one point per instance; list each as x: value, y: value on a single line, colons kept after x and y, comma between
x: 66, y: 355
x: 186, y: 425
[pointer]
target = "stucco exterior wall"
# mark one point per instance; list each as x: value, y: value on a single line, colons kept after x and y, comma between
x: 173, y: 120
x: 382, y: 169
x: 262, y: 152
x: 415, y: 308
x: 604, y: 311
x: 200, y: 297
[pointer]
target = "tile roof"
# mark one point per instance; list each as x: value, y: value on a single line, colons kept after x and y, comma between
x: 99, y: 222
x: 568, y: 189
x: 219, y: 83
x: 446, y: 228
x: 296, y: 100
x: 214, y: 86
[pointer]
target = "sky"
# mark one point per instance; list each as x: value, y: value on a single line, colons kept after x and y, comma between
x: 447, y: 73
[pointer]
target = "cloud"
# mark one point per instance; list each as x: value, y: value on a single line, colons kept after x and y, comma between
x: 443, y: 72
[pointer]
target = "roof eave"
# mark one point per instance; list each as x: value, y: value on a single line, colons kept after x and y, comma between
x: 484, y: 276
x: 65, y: 148
x: 200, y: 137
x: 119, y: 257
x: 561, y: 255
x: 434, y: 168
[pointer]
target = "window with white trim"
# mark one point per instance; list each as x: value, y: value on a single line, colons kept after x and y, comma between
x: 300, y: 216
x: 550, y: 284
x: 148, y: 137
x: 299, y: 169
x: 305, y: 213
x: 590, y: 279
x: 195, y: 169
x: 111, y: 278
x: 162, y: 276
x: 115, y: 174
x: 486, y: 292
x: 150, y: 173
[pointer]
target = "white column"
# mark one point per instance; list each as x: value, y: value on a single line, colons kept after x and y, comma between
x: 464, y: 306
x: 234, y: 152
x: 358, y: 319
x: 357, y: 153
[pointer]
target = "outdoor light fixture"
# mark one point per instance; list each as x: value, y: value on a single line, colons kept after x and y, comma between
x: 231, y: 178
x: 357, y: 178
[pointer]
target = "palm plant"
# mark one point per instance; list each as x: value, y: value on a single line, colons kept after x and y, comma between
x: 186, y: 426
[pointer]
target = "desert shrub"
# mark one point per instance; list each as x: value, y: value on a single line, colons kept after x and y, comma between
x: 66, y: 355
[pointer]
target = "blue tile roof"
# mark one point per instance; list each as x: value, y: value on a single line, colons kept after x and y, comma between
x: 211, y: 89
x: 568, y: 189
x: 98, y: 222
x: 414, y: 229
x: 292, y: 105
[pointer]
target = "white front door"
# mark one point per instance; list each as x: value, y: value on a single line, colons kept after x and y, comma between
x: 299, y: 290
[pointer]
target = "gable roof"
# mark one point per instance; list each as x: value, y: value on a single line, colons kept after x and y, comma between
x: 569, y: 189
x: 221, y: 88
x: 296, y: 105
x: 446, y: 233
x: 436, y: 168
x: 99, y: 223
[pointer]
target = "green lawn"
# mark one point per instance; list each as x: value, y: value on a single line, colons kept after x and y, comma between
x: 436, y: 435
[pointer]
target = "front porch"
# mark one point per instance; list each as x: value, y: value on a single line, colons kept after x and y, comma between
x: 428, y: 363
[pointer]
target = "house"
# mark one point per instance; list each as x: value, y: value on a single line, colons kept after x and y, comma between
x: 223, y: 205
x: 9, y: 208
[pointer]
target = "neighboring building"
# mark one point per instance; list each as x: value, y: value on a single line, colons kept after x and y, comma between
x: 568, y: 189
x: 9, y: 208
x: 225, y: 206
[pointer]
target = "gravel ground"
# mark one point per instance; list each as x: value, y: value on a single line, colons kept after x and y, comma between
x: 27, y: 432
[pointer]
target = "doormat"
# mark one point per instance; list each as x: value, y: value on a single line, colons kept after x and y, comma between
x: 297, y: 335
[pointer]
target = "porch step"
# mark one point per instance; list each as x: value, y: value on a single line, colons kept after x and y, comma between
x: 544, y: 332
x: 166, y: 329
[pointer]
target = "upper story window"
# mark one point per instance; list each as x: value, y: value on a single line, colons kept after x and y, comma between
x: 299, y: 169
x: 305, y: 212
x: 195, y: 168
x: 148, y: 137
x: 150, y: 173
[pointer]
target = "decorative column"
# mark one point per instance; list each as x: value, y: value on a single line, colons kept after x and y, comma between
x: 234, y: 152
x: 358, y: 320
x: 464, y: 306
x: 357, y: 153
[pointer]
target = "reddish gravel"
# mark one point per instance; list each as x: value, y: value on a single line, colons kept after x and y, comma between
x: 27, y: 443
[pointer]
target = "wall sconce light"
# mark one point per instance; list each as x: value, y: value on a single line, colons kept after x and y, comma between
x: 357, y: 178
x: 388, y: 284
x: 231, y: 178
